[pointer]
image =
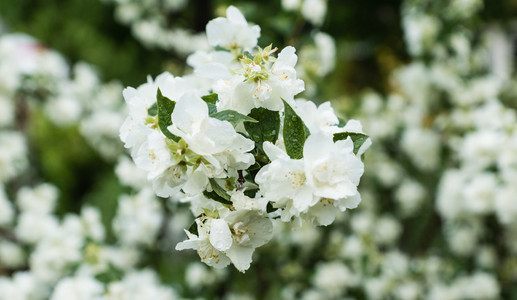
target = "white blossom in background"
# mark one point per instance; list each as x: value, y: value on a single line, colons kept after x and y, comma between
x: 138, y: 218
x: 314, y: 11
x: 78, y: 288
x: 139, y: 285
x: 13, y: 155
x: 333, y: 278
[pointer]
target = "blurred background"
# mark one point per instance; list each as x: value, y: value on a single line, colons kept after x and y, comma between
x: 432, y: 82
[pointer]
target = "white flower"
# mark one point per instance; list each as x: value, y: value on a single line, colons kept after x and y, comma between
x: 216, y: 140
x: 198, y: 275
x: 326, y: 178
x: 284, y: 183
x: 11, y: 255
x: 129, y: 174
x: 317, y: 119
x: 138, y: 218
x: 232, y: 31
x: 333, y: 278
x: 480, y: 193
x: 212, y: 65
x: 241, y: 201
x: 80, y: 287
x: 249, y: 230
x: 32, y: 227
x: 22, y: 285
x: 138, y: 285
x: 92, y: 224
x: 136, y: 127
x: 290, y: 4
x: 331, y: 168
x: 13, y: 154
x: 267, y: 87
x: 314, y: 11
x: 202, y: 243
x: 233, y: 238
x: 40, y: 199
x: 420, y: 31
x: 422, y: 147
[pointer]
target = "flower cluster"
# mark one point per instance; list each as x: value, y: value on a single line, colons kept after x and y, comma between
x: 232, y: 141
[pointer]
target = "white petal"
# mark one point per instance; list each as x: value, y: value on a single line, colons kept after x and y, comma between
x: 235, y: 16
x: 196, y: 183
x: 273, y: 151
x: 214, y: 71
x: 220, y: 235
x: 189, y: 111
x: 350, y: 202
x: 315, y: 146
x: 325, y: 213
x: 241, y: 257
x: 287, y: 57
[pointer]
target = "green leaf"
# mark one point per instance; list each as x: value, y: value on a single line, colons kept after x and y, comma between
x: 270, y: 208
x: 153, y: 110
x: 193, y: 228
x: 357, y: 138
x: 211, y: 100
x: 165, y: 109
x: 214, y: 196
x: 218, y: 193
x: 266, y: 128
x: 219, y: 190
x: 233, y: 117
x: 294, y: 133
x: 251, y: 193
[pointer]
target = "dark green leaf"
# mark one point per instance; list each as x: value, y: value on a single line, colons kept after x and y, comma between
x: 219, y: 190
x: 193, y: 228
x: 165, y: 109
x: 153, y: 110
x: 214, y: 196
x: 233, y: 117
x: 294, y: 133
x: 266, y: 128
x: 212, y: 109
x: 211, y: 98
x: 357, y: 138
x: 251, y: 193
x: 270, y: 208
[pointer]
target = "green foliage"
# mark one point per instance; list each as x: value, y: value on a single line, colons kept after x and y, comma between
x: 266, y: 128
x: 294, y: 133
x: 211, y: 100
x: 218, y: 193
x: 357, y: 138
x: 165, y: 109
x: 233, y: 117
